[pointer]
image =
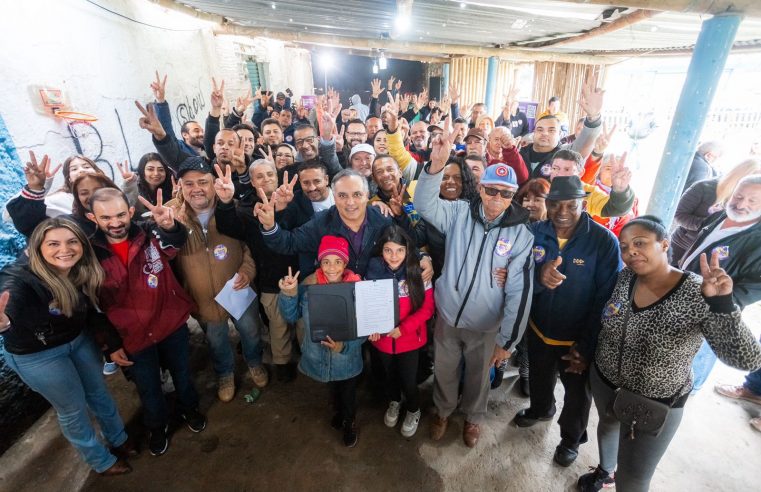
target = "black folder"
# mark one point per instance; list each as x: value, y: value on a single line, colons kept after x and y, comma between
x: 332, y: 311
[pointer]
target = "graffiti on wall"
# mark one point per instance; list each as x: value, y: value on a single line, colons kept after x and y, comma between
x: 189, y: 109
x: 88, y: 142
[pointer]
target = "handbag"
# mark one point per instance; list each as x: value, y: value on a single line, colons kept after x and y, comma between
x: 638, y: 412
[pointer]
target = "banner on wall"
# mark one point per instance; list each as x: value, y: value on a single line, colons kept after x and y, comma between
x: 531, y: 109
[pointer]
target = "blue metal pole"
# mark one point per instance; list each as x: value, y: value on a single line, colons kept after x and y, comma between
x: 445, y: 78
x: 491, y: 83
x: 706, y: 66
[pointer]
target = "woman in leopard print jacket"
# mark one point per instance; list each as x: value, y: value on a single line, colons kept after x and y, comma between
x: 652, y: 327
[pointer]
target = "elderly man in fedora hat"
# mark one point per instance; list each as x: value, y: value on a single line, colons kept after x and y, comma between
x: 577, y: 262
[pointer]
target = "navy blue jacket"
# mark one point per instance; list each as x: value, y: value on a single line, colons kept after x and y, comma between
x: 165, y: 118
x: 306, y: 239
x: 591, y: 262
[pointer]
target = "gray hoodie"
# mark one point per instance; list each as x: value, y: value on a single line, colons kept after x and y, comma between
x: 362, y: 109
x: 467, y: 296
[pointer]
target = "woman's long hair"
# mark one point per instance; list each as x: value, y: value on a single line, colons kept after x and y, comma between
x: 67, y: 170
x: 78, y: 208
x: 415, y: 284
x: 142, y: 185
x: 469, y: 189
x: 87, y: 275
x: 728, y: 182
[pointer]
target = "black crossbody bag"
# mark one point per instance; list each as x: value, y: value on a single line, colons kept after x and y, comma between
x: 638, y: 412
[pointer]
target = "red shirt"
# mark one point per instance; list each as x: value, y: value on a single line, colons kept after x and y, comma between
x: 121, y: 250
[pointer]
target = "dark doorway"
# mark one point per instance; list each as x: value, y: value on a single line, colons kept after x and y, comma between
x: 350, y: 74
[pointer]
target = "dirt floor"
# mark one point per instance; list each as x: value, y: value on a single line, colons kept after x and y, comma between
x: 284, y: 441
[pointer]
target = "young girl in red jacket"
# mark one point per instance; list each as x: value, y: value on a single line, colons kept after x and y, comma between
x: 400, y: 347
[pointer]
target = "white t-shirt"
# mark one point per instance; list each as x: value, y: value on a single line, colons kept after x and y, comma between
x: 719, y: 232
x: 324, y: 204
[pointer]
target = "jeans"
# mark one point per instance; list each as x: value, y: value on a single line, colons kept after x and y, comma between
x: 249, y: 328
x: 70, y: 377
x: 174, y: 353
x: 702, y: 365
x: 753, y: 382
x: 637, y: 458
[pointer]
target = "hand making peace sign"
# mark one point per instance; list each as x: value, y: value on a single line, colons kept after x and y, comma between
x: 163, y: 216
x: 223, y: 185
x: 716, y: 282
x: 37, y: 173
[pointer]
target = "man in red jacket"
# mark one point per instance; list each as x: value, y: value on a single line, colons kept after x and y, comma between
x: 145, y: 302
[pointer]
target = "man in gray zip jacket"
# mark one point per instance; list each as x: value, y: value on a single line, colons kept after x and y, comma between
x: 480, y: 320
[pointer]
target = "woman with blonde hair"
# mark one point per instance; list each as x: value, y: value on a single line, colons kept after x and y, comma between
x: 702, y: 199
x: 48, y: 316
x: 485, y: 123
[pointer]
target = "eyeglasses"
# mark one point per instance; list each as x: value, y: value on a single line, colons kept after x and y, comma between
x: 494, y: 191
x: 302, y: 141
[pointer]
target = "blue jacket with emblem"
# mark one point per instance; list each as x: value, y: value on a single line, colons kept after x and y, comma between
x: 591, y: 262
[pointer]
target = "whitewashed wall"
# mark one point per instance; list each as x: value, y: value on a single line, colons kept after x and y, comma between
x: 104, y: 62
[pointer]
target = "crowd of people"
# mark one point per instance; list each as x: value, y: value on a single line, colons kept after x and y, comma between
x: 505, y: 241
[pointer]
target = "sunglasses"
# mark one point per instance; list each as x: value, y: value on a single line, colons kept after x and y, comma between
x: 494, y: 191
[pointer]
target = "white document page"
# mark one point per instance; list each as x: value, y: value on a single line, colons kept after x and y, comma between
x: 234, y: 301
x: 375, y: 307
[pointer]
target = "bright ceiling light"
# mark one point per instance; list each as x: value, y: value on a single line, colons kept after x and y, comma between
x: 375, y: 66
x: 463, y: 5
x: 519, y: 24
x: 326, y: 59
x: 402, y: 22
x: 382, y: 62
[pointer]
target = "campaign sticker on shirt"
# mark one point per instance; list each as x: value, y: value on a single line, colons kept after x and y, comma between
x: 220, y: 252
x: 721, y: 251
x: 153, y: 281
x: 404, y: 290
x: 611, y: 309
x: 546, y: 169
x: 53, y: 309
x: 503, y: 246
x: 539, y: 253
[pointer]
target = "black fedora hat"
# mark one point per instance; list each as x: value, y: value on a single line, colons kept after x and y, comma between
x: 566, y: 188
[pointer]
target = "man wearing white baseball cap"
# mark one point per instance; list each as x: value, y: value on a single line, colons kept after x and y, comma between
x: 361, y: 160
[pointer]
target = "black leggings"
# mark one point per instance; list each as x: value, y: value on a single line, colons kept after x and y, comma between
x: 401, y: 377
x: 344, y: 395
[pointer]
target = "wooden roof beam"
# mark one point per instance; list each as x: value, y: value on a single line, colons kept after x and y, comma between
x: 751, y: 8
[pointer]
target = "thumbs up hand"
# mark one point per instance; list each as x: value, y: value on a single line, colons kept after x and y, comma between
x: 550, y: 277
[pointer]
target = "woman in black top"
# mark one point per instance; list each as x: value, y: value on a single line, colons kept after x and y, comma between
x: 652, y: 327
x: 47, y: 307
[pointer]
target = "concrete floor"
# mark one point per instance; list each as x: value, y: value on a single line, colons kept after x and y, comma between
x: 284, y: 442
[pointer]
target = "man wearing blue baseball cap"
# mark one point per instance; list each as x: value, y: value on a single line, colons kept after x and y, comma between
x: 480, y: 319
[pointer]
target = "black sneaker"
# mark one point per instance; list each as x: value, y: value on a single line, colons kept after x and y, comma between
x: 195, y: 421
x: 525, y: 418
x: 598, y: 479
x: 351, y: 433
x: 158, y: 441
x: 564, y: 456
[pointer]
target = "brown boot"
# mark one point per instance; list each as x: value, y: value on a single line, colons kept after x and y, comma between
x: 121, y: 467
x: 126, y: 450
x: 439, y: 427
x: 470, y: 434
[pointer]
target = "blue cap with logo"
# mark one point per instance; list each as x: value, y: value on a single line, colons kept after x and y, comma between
x: 500, y: 174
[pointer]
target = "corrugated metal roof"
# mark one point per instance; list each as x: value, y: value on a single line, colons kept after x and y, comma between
x: 478, y: 23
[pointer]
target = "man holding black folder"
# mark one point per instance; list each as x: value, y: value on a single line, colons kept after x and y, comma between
x: 480, y: 320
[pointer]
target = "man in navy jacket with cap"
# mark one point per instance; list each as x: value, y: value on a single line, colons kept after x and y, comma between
x: 577, y: 262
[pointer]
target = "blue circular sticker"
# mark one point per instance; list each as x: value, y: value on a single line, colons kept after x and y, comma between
x: 721, y: 251
x: 503, y: 246
x: 220, y: 252
x: 53, y: 309
x: 153, y: 281
x: 539, y: 253
x: 546, y: 169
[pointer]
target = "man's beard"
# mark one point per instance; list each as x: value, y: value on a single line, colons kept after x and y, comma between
x: 735, y: 217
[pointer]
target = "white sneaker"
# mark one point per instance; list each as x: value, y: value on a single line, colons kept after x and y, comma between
x: 392, y: 414
x: 409, y: 426
x: 110, y: 368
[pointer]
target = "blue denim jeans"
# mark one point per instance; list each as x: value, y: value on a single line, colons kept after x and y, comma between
x: 249, y: 328
x: 70, y: 377
x: 702, y: 365
x: 753, y: 382
x: 174, y: 354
